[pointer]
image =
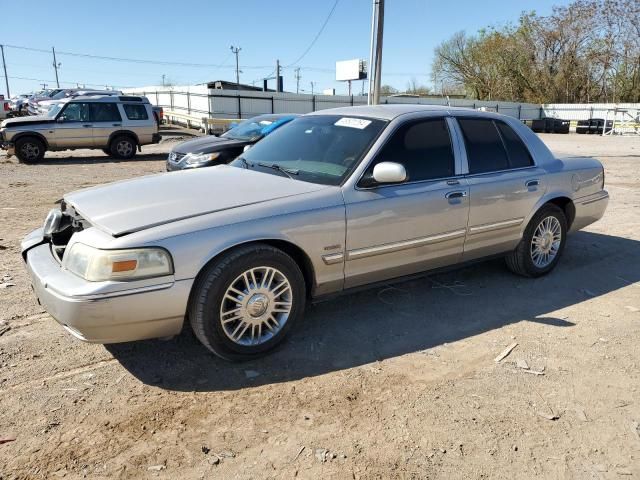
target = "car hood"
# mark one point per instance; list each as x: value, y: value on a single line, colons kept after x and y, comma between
x: 16, y: 122
x: 134, y: 205
x: 208, y: 144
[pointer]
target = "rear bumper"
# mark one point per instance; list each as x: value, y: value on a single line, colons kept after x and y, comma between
x: 117, y: 316
x: 589, y: 209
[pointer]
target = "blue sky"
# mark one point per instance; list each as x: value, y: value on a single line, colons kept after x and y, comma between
x: 202, y: 31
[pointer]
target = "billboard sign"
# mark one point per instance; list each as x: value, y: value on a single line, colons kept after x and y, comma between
x: 351, y: 70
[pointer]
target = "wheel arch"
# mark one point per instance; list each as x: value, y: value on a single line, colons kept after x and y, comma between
x: 294, y: 251
x: 127, y: 133
x: 560, y: 199
x: 37, y: 135
x: 567, y: 206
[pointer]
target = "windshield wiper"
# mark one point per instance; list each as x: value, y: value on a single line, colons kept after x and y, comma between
x: 244, y: 162
x: 274, y: 166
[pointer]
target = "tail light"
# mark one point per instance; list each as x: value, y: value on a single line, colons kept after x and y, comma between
x: 6, y: 106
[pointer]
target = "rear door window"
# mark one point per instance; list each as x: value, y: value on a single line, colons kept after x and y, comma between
x: 135, y: 112
x: 423, y: 147
x: 105, y: 112
x: 485, y: 150
x: 518, y: 154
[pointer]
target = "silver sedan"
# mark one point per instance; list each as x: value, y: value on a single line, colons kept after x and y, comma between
x: 334, y: 200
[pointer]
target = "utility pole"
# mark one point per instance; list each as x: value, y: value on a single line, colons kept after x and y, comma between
x: 312, y: 86
x: 56, y: 65
x: 6, y: 78
x: 278, y: 84
x: 236, y: 51
x: 375, y: 59
x: 163, y: 76
x: 298, y: 77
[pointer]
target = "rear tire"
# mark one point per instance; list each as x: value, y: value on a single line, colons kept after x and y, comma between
x: 123, y: 147
x: 542, y: 243
x: 30, y: 149
x: 244, y: 304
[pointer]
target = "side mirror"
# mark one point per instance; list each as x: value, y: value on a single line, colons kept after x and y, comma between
x: 60, y: 119
x: 246, y: 147
x: 389, y: 172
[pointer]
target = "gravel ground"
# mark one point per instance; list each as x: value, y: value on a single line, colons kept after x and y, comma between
x: 394, y: 382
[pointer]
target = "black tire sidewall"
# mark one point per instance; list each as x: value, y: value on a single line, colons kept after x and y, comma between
x: 36, y: 141
x: 114, y: 145
x: 546, y: 211
x: 210, y: 308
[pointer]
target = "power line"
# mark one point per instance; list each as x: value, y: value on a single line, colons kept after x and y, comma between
x: 313, y: 42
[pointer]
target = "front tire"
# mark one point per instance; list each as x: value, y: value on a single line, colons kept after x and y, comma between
x: 30, y: 150
x: 542, y: 243
x: 244, y: 304
x: 123, y: 147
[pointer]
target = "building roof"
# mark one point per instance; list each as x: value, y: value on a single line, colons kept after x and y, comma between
x: 226, y: 85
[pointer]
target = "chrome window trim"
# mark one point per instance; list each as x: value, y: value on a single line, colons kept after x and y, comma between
x: 365, y: 252
x: 472, y: 175
x: 401, y: 121
x: 455, y: 118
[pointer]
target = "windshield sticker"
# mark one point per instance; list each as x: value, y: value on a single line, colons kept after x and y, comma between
x: 358, y: 123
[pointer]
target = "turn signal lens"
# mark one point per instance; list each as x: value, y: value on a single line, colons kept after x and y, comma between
x: 124, y: 266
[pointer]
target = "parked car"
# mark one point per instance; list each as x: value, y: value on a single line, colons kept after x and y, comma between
x: 5, y: 108
x: 212, y: 150
x: 117, y: 125
x: 158, y: 114
x: 336, y: 199
x: 43, y: 107
x: 34, y: 101
x: 18, y: 104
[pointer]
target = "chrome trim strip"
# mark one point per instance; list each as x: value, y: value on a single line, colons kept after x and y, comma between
x: 333, y: 258
x: 495, y: 226
x: 121, y: 293
x: 404, y: 245
x: 601, y: 197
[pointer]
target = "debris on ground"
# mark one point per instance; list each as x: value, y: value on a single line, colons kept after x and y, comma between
x: 4, y: 329
x: 505, y: 352
x: 7, y: 440
x: 522, y: 363
x: 7, y: 284
x: 205, y: 449
x: 536, y: 372
x: 548, y: 416
x: 299, y: 452
x: 157, y: 468
x: 635, y: 429
x: 581, y: 415
x: 321, y: 454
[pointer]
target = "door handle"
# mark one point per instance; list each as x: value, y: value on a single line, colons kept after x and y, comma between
x: 532, y: 183
x: 87, y: 126
x: 117, y: 125
x: 456, y: 194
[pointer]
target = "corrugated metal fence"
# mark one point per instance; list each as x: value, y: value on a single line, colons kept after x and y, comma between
x: 200, y: 102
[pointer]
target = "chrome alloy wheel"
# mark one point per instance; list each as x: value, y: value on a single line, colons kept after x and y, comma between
x: 124, y: 148
x: 30, y: 151
x: 546, y: 242
x: 256, y: 306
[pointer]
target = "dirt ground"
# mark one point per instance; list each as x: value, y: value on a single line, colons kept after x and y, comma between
x: 394, y: 382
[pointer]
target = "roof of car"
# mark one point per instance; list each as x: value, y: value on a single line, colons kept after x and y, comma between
x: 386, y: 112
x: 109, y: 98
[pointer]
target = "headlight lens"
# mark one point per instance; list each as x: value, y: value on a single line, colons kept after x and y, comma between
x: 97, y: 265
x: 198, y: 158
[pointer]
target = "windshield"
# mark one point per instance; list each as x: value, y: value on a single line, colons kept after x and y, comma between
x: 319, y: 149
x: 250, y: 129
x: 54, y: 109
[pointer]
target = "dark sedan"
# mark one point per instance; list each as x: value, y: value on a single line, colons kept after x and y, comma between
x: 210, y: 150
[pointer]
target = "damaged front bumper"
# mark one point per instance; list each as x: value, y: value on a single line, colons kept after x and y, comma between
x: 104, y: 312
